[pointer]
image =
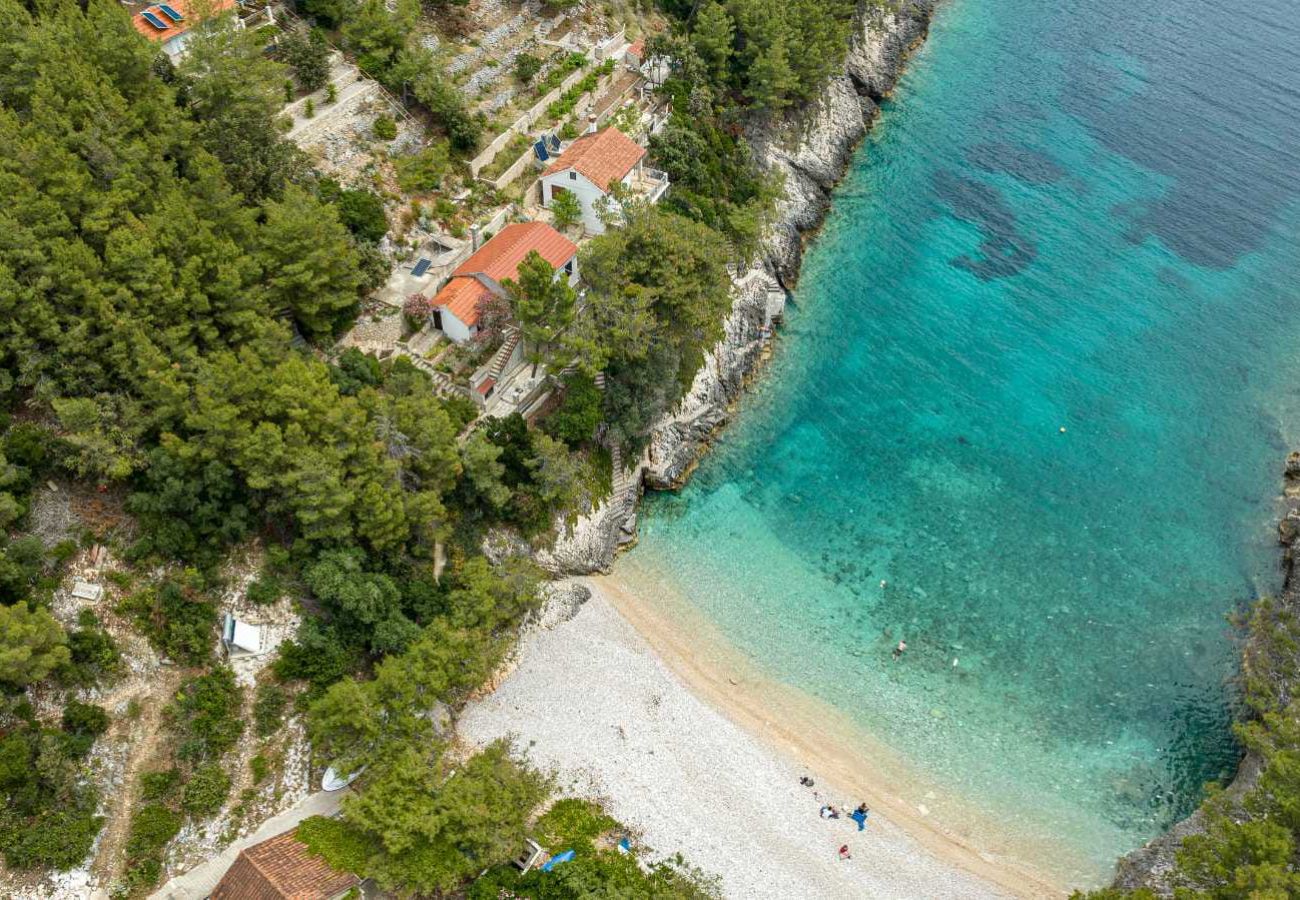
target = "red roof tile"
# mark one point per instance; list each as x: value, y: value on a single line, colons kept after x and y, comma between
x: 637, y: 49
x: 281, y: 868
x: 604, y: 157
x: 500, y: 257
x: 461, y: 297
x: 211, y: 8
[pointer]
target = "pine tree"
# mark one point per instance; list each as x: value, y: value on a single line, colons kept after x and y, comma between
x: 542, y: 303
x: 311, y: 268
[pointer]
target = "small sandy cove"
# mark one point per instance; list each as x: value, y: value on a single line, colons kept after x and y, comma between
x: 694, y: 751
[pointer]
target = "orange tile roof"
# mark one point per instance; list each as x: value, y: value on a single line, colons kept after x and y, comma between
x: 604, y: 157
x: 211, y: 8
x: 281, y: 868
x: 637, y: 49
x: 500, y: 257
x: 462, y: 297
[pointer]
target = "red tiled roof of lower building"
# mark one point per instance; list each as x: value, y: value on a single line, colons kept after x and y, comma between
x: 281, y: 868
x: 463, y: 297
x: 188, y: 15
x: 500, y: 257
x: 604, y: 157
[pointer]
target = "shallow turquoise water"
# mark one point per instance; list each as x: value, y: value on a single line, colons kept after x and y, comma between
x: 1080, y: 217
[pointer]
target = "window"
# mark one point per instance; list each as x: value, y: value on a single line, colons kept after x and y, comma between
x: 573, y: 176
x: 568, y: 267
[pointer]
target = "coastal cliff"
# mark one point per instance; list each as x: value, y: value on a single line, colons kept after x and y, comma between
x: 1153, y: 866
x: 810, y: 152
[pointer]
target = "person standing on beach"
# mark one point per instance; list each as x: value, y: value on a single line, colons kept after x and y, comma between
x: 844, y: 852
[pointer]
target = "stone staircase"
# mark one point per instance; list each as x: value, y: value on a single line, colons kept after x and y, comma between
x: 624, y: 497
x: 512, y: 337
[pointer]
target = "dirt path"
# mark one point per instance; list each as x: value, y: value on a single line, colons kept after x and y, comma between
x: 145, y: 735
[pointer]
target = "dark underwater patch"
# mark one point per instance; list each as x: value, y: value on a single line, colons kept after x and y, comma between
x: 1004, y: 251
x: 1020, y: 162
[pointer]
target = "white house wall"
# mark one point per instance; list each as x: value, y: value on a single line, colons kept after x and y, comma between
x: 588, y: 194
x: 454, y: 328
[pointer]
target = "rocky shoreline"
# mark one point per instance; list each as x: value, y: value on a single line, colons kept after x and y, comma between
x: 1151, y: 866
x: 811, y: 152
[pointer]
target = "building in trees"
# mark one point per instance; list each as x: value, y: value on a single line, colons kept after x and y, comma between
x: 283, y: 867
x: 458, y: 307
x: 170, y: 23
x: 594, y: 168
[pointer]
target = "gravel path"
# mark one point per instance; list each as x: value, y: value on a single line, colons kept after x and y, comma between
x: 589, y: 698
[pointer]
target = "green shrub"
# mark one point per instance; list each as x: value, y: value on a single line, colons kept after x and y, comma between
x: 259, y: 767
x: 341, y: 845
x: 362, y: 212
x: 82, y: 723
x: 568, y: 101
x: 424, y: 170
x: 176, y: 617
x: 573, y: 822
x: 264, y: 591
x: 268, y: 707
x: 152, y: 827
x: 84, y: 718
x: 526, y: 67
x: 579, y: 412
x: 385, y: 128
x: 206, y: 790
x: 159, y: 785
x: 94, y: 654
x: 559, y: 72
x: 59, y: 836
x: 206, y: 715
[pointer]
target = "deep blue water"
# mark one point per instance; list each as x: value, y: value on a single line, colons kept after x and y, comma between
x: 1081, y: 216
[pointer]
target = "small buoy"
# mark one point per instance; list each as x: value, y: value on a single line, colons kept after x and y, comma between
x: 954, y: 662
x: 1062, y: 429
x: 883, y: 582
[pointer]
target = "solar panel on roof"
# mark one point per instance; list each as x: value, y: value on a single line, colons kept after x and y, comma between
x: 171, y: 13
x: 554, y: 142
x: 153, y: 20
x: 540, y: 149
x: 421, y: 266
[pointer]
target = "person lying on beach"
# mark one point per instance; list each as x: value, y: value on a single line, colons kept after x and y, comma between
x: 859, y: 815
x: 829, y: 812
x: 806, y: 781
x: 844, y: 852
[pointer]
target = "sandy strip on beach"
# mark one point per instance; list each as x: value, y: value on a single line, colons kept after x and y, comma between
x: 686, y: 745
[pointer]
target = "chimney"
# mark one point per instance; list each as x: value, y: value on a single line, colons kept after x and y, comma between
x: 591, y: 123
x: 473, y: 237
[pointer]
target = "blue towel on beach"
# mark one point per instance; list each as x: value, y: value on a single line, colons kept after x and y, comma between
x: 860, y: 817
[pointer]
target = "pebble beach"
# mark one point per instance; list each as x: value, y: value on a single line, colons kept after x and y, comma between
x: 588, y: 697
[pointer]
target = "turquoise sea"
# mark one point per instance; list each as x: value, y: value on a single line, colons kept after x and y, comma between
x: 1077, y: 216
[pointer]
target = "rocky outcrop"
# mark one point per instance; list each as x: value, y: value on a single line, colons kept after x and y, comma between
x: 811, y: 152
x: 678, y: 441
x: 590, y: 544
x: 1152, y: 866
